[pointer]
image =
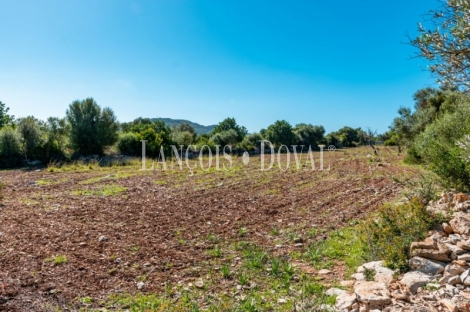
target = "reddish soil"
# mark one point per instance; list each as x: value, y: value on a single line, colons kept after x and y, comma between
x: 161, y: 229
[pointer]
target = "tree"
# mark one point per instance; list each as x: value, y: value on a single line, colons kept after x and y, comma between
x: 447, y: 43
x: 5, y: 119
x: 228, y: 137
x: 31, y: 134
x: 280, y: 133
x: 230, y: 124
x: 10, y: 148
x: 91, y: 128
x: 309, y: 135
x: 156, y: 133
x: 184, y: 134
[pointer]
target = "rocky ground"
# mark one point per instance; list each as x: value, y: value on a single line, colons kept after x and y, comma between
x: 440, y: 276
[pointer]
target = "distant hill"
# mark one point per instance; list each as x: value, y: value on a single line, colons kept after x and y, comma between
x: 200, y: 129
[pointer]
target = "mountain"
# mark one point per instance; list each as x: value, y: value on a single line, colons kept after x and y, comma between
x: 200, y: 129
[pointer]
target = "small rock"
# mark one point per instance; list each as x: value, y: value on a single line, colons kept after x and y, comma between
x: 465, y: 278
x: 464, y: 244
x: 454, y: 280
x: 281, y: 300
x: 373, y: 294
x: 199, y: 284
x: 464, y: 257
x: 449, y: 305
x: 460, y: 223
x: 359, y: 276
x: 298, y: 240
x: 447, y: 228
x: 455, y: 249
x: 324, y: 272
x: 102, y: 239
x: 140, y: 285
x: 345, y: 301
x: 82, y: 244
x: 335, y: 292
x: 298, y: 245
x: 347, y: 283
x: 453, y: 269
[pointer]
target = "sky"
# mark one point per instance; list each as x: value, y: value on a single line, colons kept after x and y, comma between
x: 331, y: 63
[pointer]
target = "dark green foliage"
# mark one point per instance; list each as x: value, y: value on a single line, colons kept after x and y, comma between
x: 10, y: 148
x: 437, y: 147
x: 129, y: 144
x: 230, y: 124
x: 309, y: 135
x: 91, y: 128
x: 156, y: 133
x: 31, y: 134
x: 5, y: 119
x: 280, y: 133
x: 251, y: 141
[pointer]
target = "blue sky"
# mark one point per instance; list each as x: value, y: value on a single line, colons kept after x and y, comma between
x: 333, y: 63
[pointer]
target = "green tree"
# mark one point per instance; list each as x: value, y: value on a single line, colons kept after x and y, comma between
x: 280, y: 133
x: 92, y: 129
x: 156, y: 133
x: 5, y: 119
x: 446, y: 42
x: 230, y: 124
x: 308, y: 134
x: 10, y: 148
x: 31, y: 134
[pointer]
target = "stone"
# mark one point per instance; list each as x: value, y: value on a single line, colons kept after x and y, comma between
x: 199, y: 284
x: 464, y: 245
x: 345, y: 301
x: 335, y: 292
x: 449, y: 305
x: 324, y: 272
x: 373, y: 294
x: 431, y: 254
x: 465, y: 278
x: 382, y: 274
x: 425, y: 265
x: 447, y: 228
x: 359, y: 277
x: 455, y: 249
x: 454, y: 280
x: 453, y: 269
x: 454, y: 238
x: 459, y: 198
x: 428, y: 243
x: 140, y: 285
x: 347, y: 283
x: 102, y: 238
x: 415, y: 279
x: 298, y: 240
x: 460, y: 223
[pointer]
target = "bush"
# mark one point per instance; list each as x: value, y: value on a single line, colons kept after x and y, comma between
x: 129, y: 144
x: 389, y: 233
x: 437, y: 147
x: 10, y: 148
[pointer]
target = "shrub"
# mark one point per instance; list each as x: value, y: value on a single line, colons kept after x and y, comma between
x: 129, y: 144
x: 389, y: 233
x: 437, y: 146
x: 10, y: 148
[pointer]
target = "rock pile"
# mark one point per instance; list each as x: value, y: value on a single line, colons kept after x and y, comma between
x: 440, y: 276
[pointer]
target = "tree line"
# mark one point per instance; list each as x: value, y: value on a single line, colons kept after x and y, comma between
x: 87, y: 129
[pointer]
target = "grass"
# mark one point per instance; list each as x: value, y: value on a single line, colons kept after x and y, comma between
x: 341, y: 245
x: 57, y: 260
x: 106, y: 190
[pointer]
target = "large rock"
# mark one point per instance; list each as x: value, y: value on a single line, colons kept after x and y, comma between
x: 465, y: 277
x: 449, y: 305
x: 464, y: 245
x: 461, y: 223
x: 374, y: 294
x: 413, y: 280
x: 345, y: 301
x: 428, y: 243
x: 381, y: 273
x: 425, y: 265
x: 437, y: 255
x: 455, y: 249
